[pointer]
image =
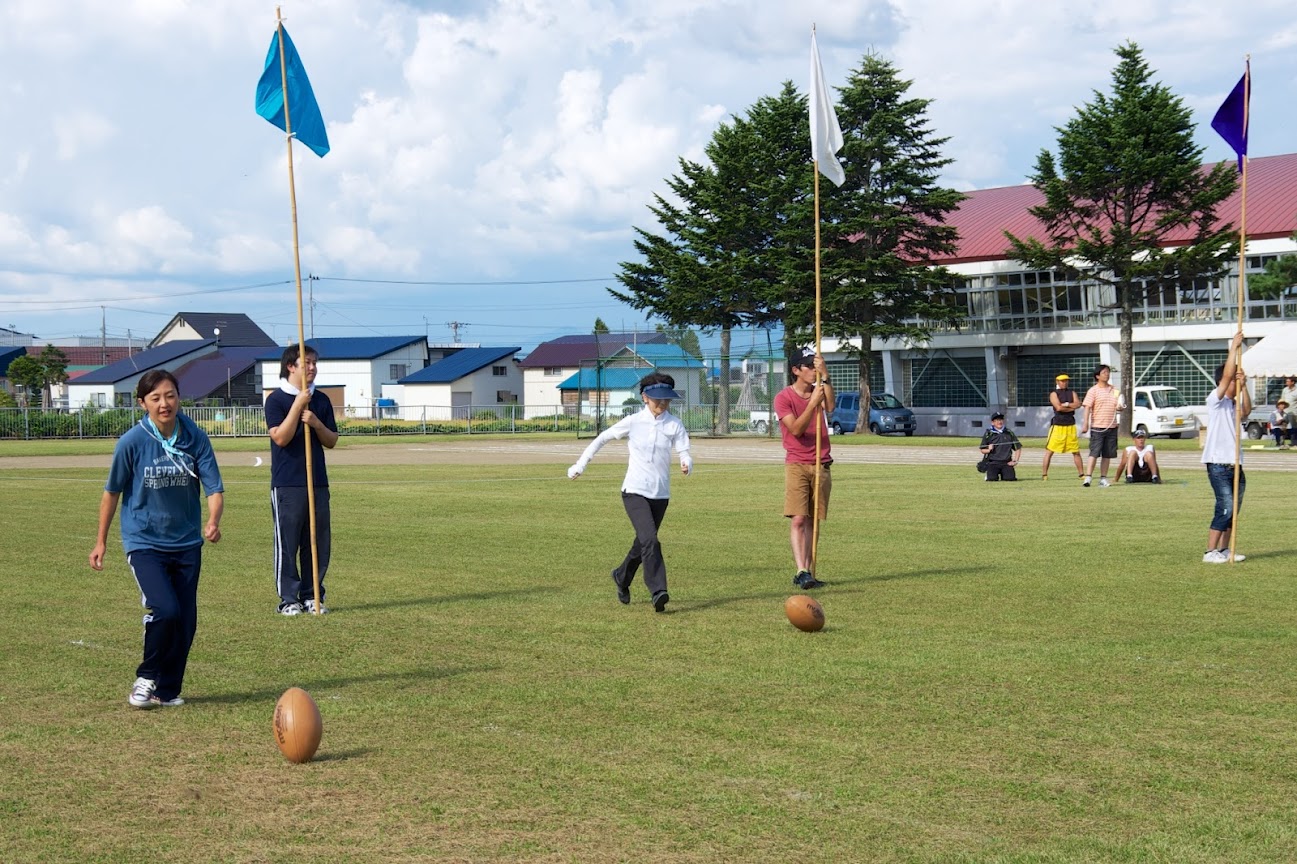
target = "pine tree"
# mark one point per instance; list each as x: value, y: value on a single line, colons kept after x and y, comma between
x: 1128, y: 174
x: 726, y: 251
x: 882, y: 228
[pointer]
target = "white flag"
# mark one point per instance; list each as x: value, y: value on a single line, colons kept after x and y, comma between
x: 826, y: 135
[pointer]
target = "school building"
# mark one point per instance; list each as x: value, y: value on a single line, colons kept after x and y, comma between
x: 1026, y: 326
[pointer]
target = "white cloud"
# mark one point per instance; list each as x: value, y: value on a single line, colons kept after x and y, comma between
x: 513, y: 138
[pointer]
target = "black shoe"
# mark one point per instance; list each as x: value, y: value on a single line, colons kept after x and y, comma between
x: 802, y: 577
x: 812, y: 582
x: 660, y: 601
x: 623, y: 591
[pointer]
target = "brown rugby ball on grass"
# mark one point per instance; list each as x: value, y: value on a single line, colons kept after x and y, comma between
x: 298, y: 726
x: 804, y: 612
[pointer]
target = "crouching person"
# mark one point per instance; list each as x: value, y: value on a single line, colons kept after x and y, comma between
x: 1001, y: 450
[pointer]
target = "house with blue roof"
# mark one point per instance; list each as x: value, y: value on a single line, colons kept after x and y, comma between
x: 614, y: 380
x: 354, y: 370
x: 114, y: 385
x: 468, y: 380
x: 550, y: 363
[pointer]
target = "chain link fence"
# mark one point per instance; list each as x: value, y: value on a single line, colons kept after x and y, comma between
x: 242, y: 422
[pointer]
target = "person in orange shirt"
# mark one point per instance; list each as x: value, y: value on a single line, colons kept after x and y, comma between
x: 1101, y: 404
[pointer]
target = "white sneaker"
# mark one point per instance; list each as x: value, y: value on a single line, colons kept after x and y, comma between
x: 1237, y: 556
x: 142, y: 694
x: 309, y: 607
x: 290, y: 609
x: 175, y: 702
x: 1215, y: 556
x: 1103, y: 482
x: 1086, y: 482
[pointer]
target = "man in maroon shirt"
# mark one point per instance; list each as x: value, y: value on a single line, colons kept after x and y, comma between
x: 801, y: 408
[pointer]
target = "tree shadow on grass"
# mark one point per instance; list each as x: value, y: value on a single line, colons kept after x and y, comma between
x: 433, y: 600
x: 317, y: 685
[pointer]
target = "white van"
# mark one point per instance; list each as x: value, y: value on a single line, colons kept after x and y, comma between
x: 1161, y: 410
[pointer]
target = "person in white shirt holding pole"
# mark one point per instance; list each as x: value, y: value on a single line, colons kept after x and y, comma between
x: 646, y: 491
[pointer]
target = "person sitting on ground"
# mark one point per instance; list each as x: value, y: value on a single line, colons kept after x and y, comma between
x: 1139, y: 461
x: 1001, y: 450
x: 1279, y: 425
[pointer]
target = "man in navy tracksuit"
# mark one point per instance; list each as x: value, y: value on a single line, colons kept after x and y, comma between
x: 296, y: 403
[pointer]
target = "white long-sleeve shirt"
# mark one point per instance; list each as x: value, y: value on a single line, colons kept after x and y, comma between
x: 650, y: 441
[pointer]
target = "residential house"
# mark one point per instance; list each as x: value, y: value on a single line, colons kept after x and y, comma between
x: 354, y: 370
x: 615, y: 380
x: 451, y: 387
x: 553, y: 362
x: 227, y: 329
x: 114, y: 385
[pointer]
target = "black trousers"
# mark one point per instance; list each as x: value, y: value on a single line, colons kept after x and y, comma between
x: 288, y: 506
x: 168, y: 582
x: 1000, y: 471
x: 646, y: 516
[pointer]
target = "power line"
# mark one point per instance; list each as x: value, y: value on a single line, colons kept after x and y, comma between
x: 502, y: 283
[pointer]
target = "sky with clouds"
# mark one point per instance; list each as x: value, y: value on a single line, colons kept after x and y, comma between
x: 498, y: 153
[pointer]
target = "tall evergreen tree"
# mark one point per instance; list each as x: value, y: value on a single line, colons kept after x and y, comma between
x: 599, y: 326
x: 728, y: 247
x: 1280, y: 275
x: 1127, y: 176
x: 882, y: 228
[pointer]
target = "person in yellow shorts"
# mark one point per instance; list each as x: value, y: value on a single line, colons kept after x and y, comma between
x: 1062, y: 426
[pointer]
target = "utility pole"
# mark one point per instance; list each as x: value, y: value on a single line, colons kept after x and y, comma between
x: 310, y: 284
x: 454, y: 329
x: 103, y: 336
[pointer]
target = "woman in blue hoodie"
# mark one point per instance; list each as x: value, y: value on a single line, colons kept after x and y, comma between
x: 156, y: 471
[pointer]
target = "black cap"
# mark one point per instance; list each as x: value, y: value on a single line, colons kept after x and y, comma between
x: 997, y: 416
x: 803, y: 358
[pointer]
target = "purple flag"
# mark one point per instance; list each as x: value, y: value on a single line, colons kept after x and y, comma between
x: 1231, y: 118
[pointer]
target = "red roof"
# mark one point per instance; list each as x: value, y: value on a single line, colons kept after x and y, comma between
x: 986, y: 214
x: 90, y: 355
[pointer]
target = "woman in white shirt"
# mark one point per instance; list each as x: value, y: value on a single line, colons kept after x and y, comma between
x: 646, y: 491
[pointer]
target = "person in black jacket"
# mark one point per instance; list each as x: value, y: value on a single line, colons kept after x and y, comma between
x: 1001, y: 450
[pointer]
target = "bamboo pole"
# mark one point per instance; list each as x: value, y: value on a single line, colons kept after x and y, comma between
x: 819, y: 424
x: 1242, y: 291
x: 301, y: 323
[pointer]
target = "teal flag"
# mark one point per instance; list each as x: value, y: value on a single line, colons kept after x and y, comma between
x: 303, y: 110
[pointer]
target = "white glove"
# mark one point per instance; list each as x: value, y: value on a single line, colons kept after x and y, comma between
x: 574, y: 472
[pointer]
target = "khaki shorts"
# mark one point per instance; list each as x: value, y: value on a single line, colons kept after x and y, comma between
x: 1062, y: 439
x: 799, y: 490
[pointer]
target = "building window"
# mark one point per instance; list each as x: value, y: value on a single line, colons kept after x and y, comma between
x: 844, y: 375
x: 505, y: 396
x: 553, y: 370
x: 947, y: 382
x: 397, y: 371
x: 499, y: 371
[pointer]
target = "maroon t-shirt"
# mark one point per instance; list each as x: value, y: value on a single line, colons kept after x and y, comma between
x: 800, y: 450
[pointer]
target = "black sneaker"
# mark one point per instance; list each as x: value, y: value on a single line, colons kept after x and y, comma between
x: 802, y: 577
x: 660, y: 601
x: 623, y: 591
x: 812, y: 582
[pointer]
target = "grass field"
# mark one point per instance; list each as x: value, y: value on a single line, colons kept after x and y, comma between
x: 1022, y: 672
